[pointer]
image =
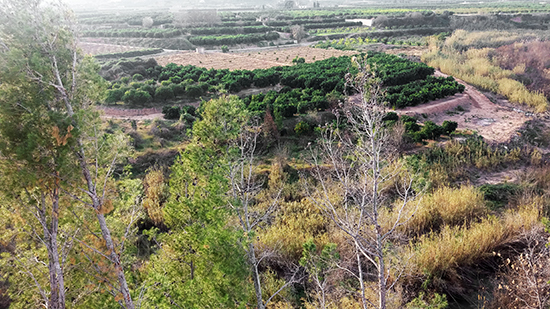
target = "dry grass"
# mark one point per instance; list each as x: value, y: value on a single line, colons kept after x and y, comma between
x: 446, y: 207
x: 441, y: 254
x: 472, y: 57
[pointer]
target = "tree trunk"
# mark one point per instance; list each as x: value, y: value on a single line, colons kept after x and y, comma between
x: 255, y: 275
x: 115, y: 259
x: 57, y: 285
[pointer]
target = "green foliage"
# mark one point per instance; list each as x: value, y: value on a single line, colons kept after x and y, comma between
x: 437, y: 301
x: 298, y: 60
x: 498, y: 195
x: 224, y: 49
x: 171, y: 112
x: 136, y: 97
x: 202, y: 252
x: 164, y: 93
x: 302, y: 128
x: 449, y: 126
x: 233, y: 39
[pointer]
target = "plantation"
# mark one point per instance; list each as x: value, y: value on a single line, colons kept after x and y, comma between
x: 304, y: 89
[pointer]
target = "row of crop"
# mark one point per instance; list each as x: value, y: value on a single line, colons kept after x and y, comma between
x: 140, y: 93
x: 353, y: 43
x: 328, y: 25
x: 306, y: 86
x: 228, y: 30
x: 281, y: 23
x: 233, y: 39
x: 131, y: 53
x: 134, y: 33
x: 423, y: 91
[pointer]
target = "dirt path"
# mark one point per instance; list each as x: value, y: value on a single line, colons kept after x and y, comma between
x: 496, y: 123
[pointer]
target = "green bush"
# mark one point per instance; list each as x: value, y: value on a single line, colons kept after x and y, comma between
x: 136, y: 97
x: 114, y: 95
x: 164, y: 93
x: 137, y: 77
x: 171, y: 112
x: 449, y: 126
x: 302, y: 128
x: 193, y: 91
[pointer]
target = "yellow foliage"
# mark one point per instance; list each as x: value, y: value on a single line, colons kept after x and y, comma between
x: 455, y: 246
x: 460, y: 58
x: 296, y: 223
x: 446, y: 206
x: 155, y: 195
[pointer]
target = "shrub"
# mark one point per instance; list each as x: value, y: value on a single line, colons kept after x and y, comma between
x: 302, y: 128
x: 224, y: 49
x: 298, y: 60
x: 178, y: 89
x: 171, y: 112
x: 137, y: 77
x: 164, y: 93
x: 138, y: 97
x: 449, y: 127
x: 114, y: 95
x: 391, y: 116
x: 193, y: 91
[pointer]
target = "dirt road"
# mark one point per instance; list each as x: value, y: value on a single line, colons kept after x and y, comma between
x: 496, y: 123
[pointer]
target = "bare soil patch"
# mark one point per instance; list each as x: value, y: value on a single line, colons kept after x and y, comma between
x: 251, y: 60
x: 496, y: 123
x: 92, y: 48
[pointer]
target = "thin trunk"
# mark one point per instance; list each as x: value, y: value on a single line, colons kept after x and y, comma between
x: 96, y: 204
x: 115, y: 259
x: 57, y: 287
x: 255, y: 275
x: 382, y: 288
x: 361, y: 282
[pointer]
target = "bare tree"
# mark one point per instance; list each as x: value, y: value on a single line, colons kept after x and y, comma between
x: 354, y: 168
x: 298, y: 32
x: 244, y: 191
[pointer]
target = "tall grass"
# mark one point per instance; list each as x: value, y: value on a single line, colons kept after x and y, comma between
x: 446, y: 207
x: 471, y: 56
x: 442, y: 254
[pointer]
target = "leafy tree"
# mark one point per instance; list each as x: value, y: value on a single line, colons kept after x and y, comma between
x: 201, y: 263
x: 47, y: 93
x: 171, y: 112
x: 164, y: 93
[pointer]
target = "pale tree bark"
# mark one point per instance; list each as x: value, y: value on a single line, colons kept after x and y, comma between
x: 244, y: 189
x: 363, y: 162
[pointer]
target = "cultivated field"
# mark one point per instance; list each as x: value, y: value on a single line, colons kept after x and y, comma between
x: 251, y: 60
x: 90, y: 48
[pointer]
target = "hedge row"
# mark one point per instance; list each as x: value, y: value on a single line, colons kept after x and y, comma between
x: 233, y: 39
x: 131, y: 53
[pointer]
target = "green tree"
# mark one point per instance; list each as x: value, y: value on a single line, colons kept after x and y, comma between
x: 201, y: 264
x: 48, y: 131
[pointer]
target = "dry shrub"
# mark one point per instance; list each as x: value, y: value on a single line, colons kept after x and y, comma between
x: 465, y: 55
x: 446, y: 206
x: 294, y: 225
x: 440, y: 255
x: 524, y: 281
x: 156, y: 193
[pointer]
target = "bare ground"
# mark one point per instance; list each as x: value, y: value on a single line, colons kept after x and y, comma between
x: 496, y: 123
x: 251, y: 60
